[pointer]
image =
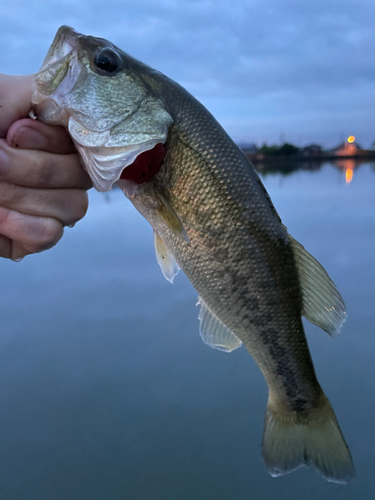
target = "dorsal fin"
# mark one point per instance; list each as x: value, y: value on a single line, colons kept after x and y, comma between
x: 214, y: 332
x: 322, y: 302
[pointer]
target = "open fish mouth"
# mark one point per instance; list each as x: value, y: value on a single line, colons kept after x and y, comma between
x: 64, y: 42
x: 126, y: 146
x: 128, y: 166
x: 107, y: 161
x: 57, y: 77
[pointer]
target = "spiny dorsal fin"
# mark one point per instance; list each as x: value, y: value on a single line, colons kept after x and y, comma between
x: 214, y: 332
x: 322, y: 302
x: 166, y: 261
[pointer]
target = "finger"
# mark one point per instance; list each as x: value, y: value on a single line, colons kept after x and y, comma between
x: 5, y: 247
x: 39, y: 169
x: 66, y: 205
x: 31, y: 134
x: 35, y: 234
x: 12, y: 249
x: 18, y: 251
x: 15, y: 99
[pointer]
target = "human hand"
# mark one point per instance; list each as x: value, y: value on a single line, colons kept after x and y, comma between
x: 42, y: 183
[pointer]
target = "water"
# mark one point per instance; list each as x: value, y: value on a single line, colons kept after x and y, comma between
x: 108, y: 392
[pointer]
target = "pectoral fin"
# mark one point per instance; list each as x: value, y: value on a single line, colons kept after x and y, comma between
x: 322, y: 302
x: 166, y: 261
x: 170, y: 218
x: 214, y: 332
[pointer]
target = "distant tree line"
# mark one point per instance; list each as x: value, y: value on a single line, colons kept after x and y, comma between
x: 285, y: 149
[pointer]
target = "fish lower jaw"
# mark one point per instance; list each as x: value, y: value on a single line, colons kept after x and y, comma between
x: 50, y: 112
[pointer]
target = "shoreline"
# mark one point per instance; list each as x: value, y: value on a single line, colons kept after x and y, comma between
x: 282, y: 159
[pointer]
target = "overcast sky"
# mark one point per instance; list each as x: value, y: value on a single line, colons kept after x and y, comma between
x: 302, y: 71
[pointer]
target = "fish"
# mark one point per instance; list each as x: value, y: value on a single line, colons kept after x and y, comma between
x: 211, y: 216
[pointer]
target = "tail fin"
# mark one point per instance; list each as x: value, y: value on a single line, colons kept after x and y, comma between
x: 290, y: 442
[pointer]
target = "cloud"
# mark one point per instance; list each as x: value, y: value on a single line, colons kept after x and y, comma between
x: 291, y: 65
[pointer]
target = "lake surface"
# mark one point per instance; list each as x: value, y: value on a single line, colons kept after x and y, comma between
x: 107, y: 391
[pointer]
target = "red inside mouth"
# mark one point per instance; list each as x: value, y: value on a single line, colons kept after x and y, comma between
x: 145, y: 166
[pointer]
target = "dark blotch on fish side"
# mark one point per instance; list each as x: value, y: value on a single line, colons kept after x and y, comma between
x: 299, y: 402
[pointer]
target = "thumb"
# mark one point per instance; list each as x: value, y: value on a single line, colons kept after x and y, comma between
x: 15, y: 100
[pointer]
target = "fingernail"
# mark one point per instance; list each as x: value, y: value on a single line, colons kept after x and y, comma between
x: 18, y: 260
x: 4, y: 162
x: 28, y: 138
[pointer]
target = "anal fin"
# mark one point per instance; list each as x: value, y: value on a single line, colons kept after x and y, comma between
x: 214, y: 332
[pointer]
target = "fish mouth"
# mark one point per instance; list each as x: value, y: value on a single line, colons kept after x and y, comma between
x: 57, y: 76
x: 64, y: 42
x: 108, y: 157
x: 107, y: 164
x: 127, y: 165
x: 146, y: 165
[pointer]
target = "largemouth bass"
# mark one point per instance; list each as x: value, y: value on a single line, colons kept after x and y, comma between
x: 212, y: 218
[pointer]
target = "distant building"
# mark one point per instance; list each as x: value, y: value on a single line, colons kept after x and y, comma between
x: 312, y: 150
x: 250, y: 148
x: 346, y: 149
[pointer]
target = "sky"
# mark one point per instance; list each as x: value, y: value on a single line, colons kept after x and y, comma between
x: 269, y: 70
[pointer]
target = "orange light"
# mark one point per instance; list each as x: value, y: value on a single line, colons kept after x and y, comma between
x: 348, y: 175
x: 351, y: 138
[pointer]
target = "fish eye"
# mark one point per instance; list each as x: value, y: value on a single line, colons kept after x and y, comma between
x: 106, y: 62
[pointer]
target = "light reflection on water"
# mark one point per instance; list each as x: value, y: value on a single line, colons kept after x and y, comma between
x: 108, y: 392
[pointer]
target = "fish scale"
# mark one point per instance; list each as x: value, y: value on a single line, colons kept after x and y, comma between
x: 229, y: 270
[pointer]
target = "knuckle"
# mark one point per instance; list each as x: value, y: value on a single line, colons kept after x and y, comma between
x: 43, y: 173
x: 82, y: 204
x: 78, y: 206
x: 5, y: 247
x: 4, y: 191
x: 11, y: 194
x: 47, y: 234
x: 4, y: 216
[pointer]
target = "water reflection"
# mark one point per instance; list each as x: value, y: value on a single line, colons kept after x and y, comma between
x: 108, y: 391
x: 347, y: 166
